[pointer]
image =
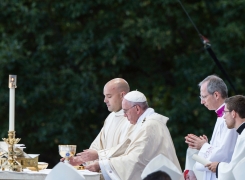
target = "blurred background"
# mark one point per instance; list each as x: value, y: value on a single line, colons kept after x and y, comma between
x: 63, y: 52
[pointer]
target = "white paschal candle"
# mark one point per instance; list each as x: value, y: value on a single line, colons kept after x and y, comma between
x: 11, y: 109
x: 12, y: 86
x: 200, y: 159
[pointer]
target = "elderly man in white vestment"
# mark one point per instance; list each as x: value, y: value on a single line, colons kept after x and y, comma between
x: 213, y: 92
x: 234, y: 118
x: 115, y: 126
x: 149, y: 138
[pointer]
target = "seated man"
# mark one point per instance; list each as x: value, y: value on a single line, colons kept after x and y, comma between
x: 159, y: 167
x: 158, y: 175
x: 234, y: 118
x: 149, y: 138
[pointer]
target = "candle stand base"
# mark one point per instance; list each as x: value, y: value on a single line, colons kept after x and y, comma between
x: 11, y: 164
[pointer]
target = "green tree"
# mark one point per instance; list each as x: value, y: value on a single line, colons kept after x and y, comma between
x: 63, y: 53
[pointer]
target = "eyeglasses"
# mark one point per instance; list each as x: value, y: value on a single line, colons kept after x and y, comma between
x: 224, y: 112
x: 204, y: 97
x: 126, y: 110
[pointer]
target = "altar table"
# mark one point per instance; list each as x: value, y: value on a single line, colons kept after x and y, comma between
x: 41, y: 175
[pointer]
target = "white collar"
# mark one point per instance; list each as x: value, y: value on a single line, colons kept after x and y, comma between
x: 119, y: 113
x: 147, y: 112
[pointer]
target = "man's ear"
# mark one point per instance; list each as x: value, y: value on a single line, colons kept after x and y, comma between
x: 123, y: 94
x: 217, y: 95
x: 233, y: 114
x: 137, y: 109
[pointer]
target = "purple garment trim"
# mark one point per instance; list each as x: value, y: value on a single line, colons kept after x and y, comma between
x: 220, y: 111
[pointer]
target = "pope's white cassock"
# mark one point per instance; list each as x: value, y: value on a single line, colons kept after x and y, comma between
x: 224, y: 170
x: 220, y: 148
x: 113, y: 132
x: 149, y: 138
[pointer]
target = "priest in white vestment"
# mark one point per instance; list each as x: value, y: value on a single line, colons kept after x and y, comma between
x: 235, y: 118
x: 213, y: 93
x: 161, y: 168
x: 149, y: 138
x: 116, y: 126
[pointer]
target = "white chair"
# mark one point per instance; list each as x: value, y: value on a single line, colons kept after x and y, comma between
x: 162, y: 163
x: 239, y: 170
x: 63, y: 171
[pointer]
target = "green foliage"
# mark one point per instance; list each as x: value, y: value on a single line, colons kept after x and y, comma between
x: 63, y: 53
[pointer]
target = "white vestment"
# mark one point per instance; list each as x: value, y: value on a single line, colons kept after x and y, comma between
x: 190, y: 163
x: 113, y: 132
x: 151, y: 139
x: 225, y: 169
x: 238, y: 171
x: 220, y: 149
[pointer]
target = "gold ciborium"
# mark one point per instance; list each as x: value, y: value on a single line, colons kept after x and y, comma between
x: 67, y: 151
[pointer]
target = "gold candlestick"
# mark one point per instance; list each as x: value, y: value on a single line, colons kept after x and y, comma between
x: 11, y: 164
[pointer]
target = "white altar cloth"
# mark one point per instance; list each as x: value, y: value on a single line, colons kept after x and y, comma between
x: 41, y: 175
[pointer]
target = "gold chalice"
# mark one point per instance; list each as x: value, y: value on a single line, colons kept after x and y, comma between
x: 67, y: 151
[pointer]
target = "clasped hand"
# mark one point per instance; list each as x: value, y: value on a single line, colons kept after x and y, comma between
x: 195, y: 142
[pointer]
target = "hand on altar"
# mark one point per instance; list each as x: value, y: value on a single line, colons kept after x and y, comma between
x: 195, y: 142
x: 95, y: 167
x: 212, y: 166
x: 74, y: 161
x: 88, y: 155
